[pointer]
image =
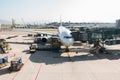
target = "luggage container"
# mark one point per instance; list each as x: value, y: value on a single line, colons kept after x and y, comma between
x: 33, y: 48
x: 3, y: 61
x: 16, y: 64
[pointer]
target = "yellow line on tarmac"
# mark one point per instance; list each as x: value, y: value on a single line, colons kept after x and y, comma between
x: 69, y: 56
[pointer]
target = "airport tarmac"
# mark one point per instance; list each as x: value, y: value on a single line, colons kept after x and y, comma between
x: 48, y: 65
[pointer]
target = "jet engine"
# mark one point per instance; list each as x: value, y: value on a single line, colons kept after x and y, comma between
x: 44, y: 39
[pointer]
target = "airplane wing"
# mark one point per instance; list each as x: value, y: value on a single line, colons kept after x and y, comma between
x: 40, y: 32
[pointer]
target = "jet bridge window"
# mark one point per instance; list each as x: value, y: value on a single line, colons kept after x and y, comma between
x: 67, y: 37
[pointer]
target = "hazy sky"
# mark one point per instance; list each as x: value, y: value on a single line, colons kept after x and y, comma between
x: 50, y: 10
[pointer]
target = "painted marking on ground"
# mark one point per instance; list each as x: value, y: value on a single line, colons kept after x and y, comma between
x: 38, y: 71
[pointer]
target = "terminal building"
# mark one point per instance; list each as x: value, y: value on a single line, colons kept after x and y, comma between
x: 118, y: 23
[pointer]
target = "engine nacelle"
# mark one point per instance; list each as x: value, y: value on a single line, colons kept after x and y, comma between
x: 44, y: 39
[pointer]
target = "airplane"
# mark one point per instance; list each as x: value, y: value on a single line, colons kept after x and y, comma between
x: 64, y: 35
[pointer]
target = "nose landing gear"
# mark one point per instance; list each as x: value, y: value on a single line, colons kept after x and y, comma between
x: 67, y: 49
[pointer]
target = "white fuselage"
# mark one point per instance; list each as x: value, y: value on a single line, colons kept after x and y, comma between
x: 65, y: 36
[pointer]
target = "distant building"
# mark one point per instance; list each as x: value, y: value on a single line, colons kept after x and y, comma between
x: 82, y: 24
x: 118, y: 23
x: 5, y: 26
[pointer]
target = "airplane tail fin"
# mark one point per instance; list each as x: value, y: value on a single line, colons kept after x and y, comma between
x: 60, y: 21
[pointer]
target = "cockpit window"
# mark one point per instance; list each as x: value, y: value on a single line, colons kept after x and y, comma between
x: 67, y: 37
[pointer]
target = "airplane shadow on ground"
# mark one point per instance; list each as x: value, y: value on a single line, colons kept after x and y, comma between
x: 49, y: 57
